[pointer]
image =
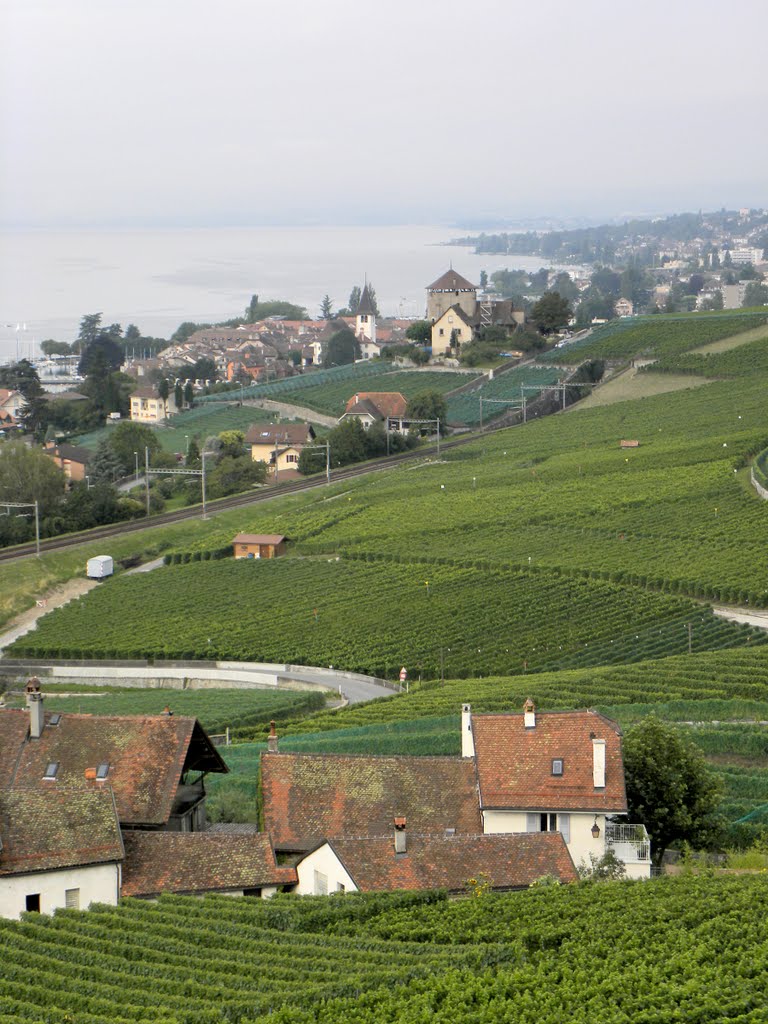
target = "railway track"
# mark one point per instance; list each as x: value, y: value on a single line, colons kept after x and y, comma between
x: 224, y: 504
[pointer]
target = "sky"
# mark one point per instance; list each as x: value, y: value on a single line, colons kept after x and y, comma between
x: 243, y: 112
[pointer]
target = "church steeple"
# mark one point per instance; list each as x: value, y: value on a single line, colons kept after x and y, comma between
x: 365, y: 317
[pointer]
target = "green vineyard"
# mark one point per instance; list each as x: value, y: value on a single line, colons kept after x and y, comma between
x: 453, y: 620
x: 672, y: 950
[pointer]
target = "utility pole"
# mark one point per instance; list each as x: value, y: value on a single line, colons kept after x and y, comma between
x: 146, y: 475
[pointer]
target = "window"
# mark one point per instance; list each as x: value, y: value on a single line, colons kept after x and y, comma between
x: 557, y: 766
x: 33, y: 902
x: 550, y: 823
x: 54, y: 719
x: 72, y: 899
x: 340, y: 887
x: 321, y: 883
x: 102, y: 771
x: 51, y: 770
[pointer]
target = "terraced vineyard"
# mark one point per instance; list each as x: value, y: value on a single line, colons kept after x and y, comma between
x: 354, y: 373
x: 329, y: 612
x: 675, y: 949
x: 747, y: 360
x: 464, y: 409
x: 655, y: 336
x: 331, y: 397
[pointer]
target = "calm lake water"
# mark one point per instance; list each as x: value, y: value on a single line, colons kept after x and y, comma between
x: 158, y: 278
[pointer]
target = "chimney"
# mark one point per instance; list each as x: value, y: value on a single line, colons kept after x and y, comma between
x: 90, y: 774
x: 400, y: 844
x: 35, y: 705
x: 272, y: 739
x: 598, y: 763
x: 529, y: 714
x: 467, y: 740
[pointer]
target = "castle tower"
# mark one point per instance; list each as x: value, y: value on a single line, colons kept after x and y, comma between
x: 365, y: 320
x: 451, y: 290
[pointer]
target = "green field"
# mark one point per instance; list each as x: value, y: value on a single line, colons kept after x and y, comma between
x: 688, y: 949
x: 656, y: 336
x: 747, y: 360
x: 323, y: 612
x: 200, y: 423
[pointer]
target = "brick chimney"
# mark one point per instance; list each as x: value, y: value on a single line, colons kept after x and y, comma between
x: 467, y: 739
x: 35, y: 704
x: 529, y: 714
x: 400, y: 843
x: 272, y: 745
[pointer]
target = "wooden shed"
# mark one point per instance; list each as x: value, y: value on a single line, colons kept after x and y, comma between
x: 258, y: 545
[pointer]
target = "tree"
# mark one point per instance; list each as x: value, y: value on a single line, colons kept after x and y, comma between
x: 551, y: 313
x: 189, y: 393
x: 342, y: 348
x: 202, y: 369
x: 483, y: 279
x: 669, y: 787
x: 232, y: 444
x: 22, y: 377
x: 420, y: 331
x: 326, y: 308
x: 178, y: 395
x: 106, y: 465
x: 354, y: 299
x: 164, y: 389
x: 28, y: 475
x: 90, y: 326
x: 101, y: 356
x: 127, y: 438
x: 755, y: 294
x: 49, y: 347
x: 428, y: 405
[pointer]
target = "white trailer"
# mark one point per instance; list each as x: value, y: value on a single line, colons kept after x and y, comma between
x: 99, y: 567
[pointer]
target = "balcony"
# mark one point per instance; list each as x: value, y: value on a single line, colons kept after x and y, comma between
x: 630, y: 843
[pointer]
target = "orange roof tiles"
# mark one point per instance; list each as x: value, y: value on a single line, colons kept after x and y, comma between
x: 448, y: 862
x: 44, y: 828
x: 158, y: 862
x: 514, y: 764
x: 389, y: 403
x: 307, y: 797
x: 147, y: 756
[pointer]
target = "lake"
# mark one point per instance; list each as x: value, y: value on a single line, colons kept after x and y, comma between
x: 158, y: 278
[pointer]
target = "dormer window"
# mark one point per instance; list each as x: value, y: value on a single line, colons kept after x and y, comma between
x: 102, y: 771
x: 54, y: 719
x: 557, y: 766
x: 51, y: 770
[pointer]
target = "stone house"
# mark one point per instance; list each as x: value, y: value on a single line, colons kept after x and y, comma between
x: 459, y: 316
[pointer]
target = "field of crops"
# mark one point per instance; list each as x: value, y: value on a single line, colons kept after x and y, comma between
x: 671, y: 950
x: 240, y: 711
x: 474, y: 621
x: 505, y: 387
x: 655, y: 336
x: 355, y: 373
x: 331, y: 397
x: 744, y: 361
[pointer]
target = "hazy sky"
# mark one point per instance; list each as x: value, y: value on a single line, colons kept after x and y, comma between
x: 208, y: 112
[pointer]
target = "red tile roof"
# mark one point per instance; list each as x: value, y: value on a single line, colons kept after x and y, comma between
x: 448, y: 862
x: 514, y: 764
x: 147, y: 756
x: 43, y: 828
x: 258, y: 538
x: 307, y: 797
x: 193, y: 862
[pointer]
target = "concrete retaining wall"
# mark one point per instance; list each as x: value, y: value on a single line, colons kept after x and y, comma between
x: 292, y: 412
x: 758, y: 487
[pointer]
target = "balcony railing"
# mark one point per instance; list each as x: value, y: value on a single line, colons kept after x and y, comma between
x: 630, y: 843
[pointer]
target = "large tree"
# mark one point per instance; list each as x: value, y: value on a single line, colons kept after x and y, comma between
x: 420, y: 331
x: 127, y: 438
x: 22, y: 377
x: 669, y: 787
x: 428, y: 405
x: 551, y: 313
x: 28, y: 475
x: 342, y: 348
x: 326, y: 308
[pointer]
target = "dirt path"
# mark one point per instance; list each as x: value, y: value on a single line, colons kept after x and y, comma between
x: 55, y: 599
x: 748, y: 615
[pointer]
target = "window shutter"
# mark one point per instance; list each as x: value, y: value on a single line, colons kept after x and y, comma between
x: 564, y: 826
x: 533, y: 823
